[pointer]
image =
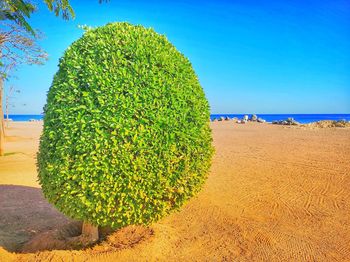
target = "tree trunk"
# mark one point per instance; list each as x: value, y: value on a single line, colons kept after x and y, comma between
x: 2, y: 124
x: 90, y: 232
x: 7, y: 110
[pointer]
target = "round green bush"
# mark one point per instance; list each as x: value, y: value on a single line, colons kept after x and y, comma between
x: 126, y: 135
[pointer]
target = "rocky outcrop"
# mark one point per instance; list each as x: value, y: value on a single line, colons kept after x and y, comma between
x: 328, y: 124
x: 221, y: 118
x: 253, y: 118
x: 288, y: 122
x: 245, y: 119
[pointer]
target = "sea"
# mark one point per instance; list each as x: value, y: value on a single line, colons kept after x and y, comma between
x: 301, y: 118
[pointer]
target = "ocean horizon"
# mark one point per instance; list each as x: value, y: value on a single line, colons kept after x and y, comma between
x: 302, y: 118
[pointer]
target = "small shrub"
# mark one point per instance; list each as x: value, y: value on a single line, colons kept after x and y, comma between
x: 126, y: 134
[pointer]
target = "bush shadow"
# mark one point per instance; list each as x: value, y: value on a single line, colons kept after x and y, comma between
x: 25, y: 213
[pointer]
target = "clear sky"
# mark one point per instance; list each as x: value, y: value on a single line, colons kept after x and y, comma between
x: 289, y: 56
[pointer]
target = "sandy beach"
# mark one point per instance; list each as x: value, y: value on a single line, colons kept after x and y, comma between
x: 274, y: 193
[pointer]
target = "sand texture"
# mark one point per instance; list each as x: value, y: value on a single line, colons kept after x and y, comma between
x: 274, y: 193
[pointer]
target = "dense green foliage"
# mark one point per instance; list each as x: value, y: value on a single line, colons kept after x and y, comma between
x: 126, y: 134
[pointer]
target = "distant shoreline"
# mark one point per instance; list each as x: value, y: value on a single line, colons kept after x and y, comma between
x: 301, y: 118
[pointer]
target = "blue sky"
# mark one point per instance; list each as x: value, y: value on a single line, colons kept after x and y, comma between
x: 250, y: 56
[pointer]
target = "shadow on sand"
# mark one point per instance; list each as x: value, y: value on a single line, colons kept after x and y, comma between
x: 25, y: 213
x: 28, y: 224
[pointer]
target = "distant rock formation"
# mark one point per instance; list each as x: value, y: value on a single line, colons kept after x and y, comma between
x: 245, y: 119
x: 328, y: 124
x: 253, y: 118
x: 288, y: 122
x: 221, y: 118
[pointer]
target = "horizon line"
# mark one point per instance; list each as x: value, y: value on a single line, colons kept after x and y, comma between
x: 232, y: 114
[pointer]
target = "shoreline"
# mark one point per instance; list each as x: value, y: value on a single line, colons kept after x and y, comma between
x: 269, y: 118
x: 289, y: 122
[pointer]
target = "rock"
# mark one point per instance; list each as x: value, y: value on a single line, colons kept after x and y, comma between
x: 254, y: 118
x: 288, y: 122
x: 291, y: 121
x: 340, y: 123
x: 260, y: 120
x: 227, y: 118
x: 328, y: 124
x: 221, y: 118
